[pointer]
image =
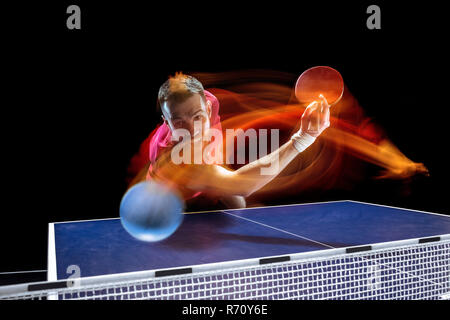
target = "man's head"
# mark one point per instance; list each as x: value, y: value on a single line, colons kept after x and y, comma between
x: 182, y: 102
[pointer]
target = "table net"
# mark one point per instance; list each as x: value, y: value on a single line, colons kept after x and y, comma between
x: 420, y: 271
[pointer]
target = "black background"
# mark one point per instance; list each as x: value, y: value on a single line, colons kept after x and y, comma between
x: 76, y: 104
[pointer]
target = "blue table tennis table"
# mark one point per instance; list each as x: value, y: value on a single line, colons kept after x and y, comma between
x: 327, y: 250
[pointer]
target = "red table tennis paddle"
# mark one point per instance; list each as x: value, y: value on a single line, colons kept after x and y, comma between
x: 319, y: 80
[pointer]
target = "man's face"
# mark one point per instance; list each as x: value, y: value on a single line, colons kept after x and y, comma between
x: 185, y: 114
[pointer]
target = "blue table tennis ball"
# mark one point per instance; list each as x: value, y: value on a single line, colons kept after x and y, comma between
x: 149, y: 211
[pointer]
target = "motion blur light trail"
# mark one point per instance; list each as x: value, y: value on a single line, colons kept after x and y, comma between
x: 265, y: 100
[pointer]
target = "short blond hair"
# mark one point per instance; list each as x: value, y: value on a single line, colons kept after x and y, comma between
x: 179, y: 88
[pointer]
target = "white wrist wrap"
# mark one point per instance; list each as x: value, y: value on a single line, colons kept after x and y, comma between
x: 302, y: 140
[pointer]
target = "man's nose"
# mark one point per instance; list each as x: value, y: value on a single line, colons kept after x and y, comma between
x: 194, y: 128
x: 190, y: 127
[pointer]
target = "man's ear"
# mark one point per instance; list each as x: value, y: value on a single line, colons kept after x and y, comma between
x: 209, y: 108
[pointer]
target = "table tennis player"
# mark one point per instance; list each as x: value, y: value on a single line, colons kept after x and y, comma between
x: 183, y: 101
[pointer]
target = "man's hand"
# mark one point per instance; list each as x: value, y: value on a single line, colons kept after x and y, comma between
x: 316, y: 117
x: 315, y: 120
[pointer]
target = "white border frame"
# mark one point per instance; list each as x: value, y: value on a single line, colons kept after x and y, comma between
x: 51, y: 259
x: 51, y: 254
x: 277, y: 206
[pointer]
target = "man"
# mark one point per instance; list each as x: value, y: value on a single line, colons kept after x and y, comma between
x: 189, y: 110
